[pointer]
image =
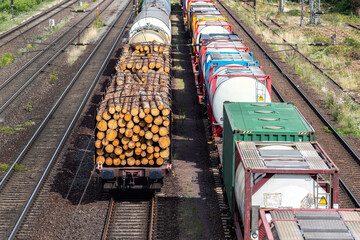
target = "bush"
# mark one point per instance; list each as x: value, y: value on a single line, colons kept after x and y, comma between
x: 6, y: 58
x: 351, y: 42
x: 340, y: 6
x: 53, y: 77
x: 336, y: 50
x: 294, y: 12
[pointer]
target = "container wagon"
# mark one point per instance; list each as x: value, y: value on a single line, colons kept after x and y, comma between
x: 224, y: 68
x: 271, y: 160
x: 269, y: 154
x: 133, y: 134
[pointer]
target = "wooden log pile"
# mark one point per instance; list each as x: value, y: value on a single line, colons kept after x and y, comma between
x: 133, y: 119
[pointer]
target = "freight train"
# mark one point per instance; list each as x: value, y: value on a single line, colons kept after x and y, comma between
x: 279, y: 182
x: 133, y: 129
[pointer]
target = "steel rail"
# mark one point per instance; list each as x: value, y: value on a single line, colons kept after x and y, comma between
x: 40, y: 70
x: 305, y: 57
x: 151, y: 224
x: 76, y: 116
x: 45, y: 49
x: 354, y: 26
x: 34, y: 18
x: 342, y: 184
x: 341, y: 140
x: 108, y: 218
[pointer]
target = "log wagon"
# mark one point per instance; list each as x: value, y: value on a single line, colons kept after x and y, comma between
x: 133, y: 121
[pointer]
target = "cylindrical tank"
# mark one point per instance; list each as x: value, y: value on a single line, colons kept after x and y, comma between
x: 189, y: 4
x: 235, y: 89
x: 149, y: 25
x: 220, y: 46
x: 282, y: 190
x: 205, y: 27
x: 225, y: 58
x: 160, y: 4
x: 208, y: 8
x: 198, y: 18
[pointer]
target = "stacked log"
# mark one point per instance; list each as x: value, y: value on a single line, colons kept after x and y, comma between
x: 133, y: 119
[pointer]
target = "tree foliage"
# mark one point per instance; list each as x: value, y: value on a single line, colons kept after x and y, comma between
x: 20, y: 6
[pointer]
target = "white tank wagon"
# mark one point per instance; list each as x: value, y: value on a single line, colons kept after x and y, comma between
x: 220, y: 47
x: 160, y: 4
x: 151, y: 25
x: 210, y: 26
x: 236, y: 84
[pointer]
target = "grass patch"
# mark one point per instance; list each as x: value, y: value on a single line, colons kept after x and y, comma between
x: 74, y: 52
x: 53, y: 77
x: 6, y: 59
x: 17, y: 168
x: 23, y: 9
x: 28, y: 107
x: 337, y: 59
x: 99, y: 24
x: 11, y: 130
x: 293, y: 12
x: 326, y: 129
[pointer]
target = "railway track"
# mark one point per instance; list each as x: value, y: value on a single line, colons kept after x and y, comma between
x: 18, y: 190
x: 33, y: 22
x: 14, y: 86
x: 131, y: 219
x: 335, y: 146
x: 271, y: 25
x: 357, y: 27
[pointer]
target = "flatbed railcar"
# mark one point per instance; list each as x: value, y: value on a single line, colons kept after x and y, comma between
x: 141, y: 154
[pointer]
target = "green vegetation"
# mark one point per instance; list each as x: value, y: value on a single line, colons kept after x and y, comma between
x: 326, y: 129
x: 6, y: 58
x: 21, y: 6
x: 17, y: 168
x: 22, y: 10
x: 11, y: 130
x: 99, y: 24
x: 294, y: 12
x: 28, y: 107
x: 53, y: 77
x: 337, y: 60
x: 339, y: 6
x: 45, y: 35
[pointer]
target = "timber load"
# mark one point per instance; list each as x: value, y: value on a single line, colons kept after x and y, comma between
x: 133, y: 119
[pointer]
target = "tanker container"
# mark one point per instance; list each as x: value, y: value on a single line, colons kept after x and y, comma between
x: 192, y: 3
x: 163, y: 5
x: 199, y: 17
x: 210, y: 26
x: 151, y: 25
x: 208, y: 47
x: 225, y: 58
x: 200, y: 7
x: 271, y: 160
x: 235, y: 84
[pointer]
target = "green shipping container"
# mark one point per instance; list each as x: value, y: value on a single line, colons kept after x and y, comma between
x: 277, y: 122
